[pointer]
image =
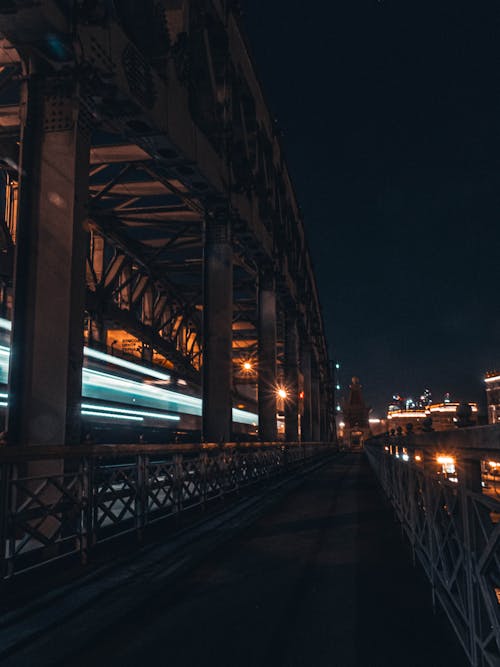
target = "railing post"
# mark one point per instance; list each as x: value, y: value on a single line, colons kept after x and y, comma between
x: 203, y: 478
x: 178, y: 482
x: 91, y: 513
x: 235, y: 470
x: 412, y: 508
x: 83, y: 535
x: 429, y: 471
x: 11, y: 525
x: 141, y: 495
x: 286, y: 457
x: 4, y: 509
x: 470, y: 483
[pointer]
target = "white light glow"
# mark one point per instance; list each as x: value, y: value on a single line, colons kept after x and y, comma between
x: 445, y: 460
x: 5, y: 324
x: 98, y: 379
x: 406, y: 415
x: 92, y: 413
x: 123, y: 363
x: 124, y: 411
x: 243, y: 417
x: 102, y: 385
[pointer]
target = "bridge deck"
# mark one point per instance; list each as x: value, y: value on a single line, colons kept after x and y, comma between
x: 323, y: 579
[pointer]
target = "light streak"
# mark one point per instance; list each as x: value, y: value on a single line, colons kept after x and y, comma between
x: 92, y: 413
x: 138, y: 413
x: 101, y: 385
x: 123, y: 363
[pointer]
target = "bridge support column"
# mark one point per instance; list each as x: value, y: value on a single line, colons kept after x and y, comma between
x: 217, y: 328
x: 47, y: 337
x: 305, y: 361
x: 267, y: 358
x: 291, y: 379
x: 315, y: 408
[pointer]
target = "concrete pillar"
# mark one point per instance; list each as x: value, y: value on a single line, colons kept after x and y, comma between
x: 305, y: 362
x: 47, y: 336
x: 315, y: 399
x: 217, y: 328
x: 291, y: 378
x: 267, y: 358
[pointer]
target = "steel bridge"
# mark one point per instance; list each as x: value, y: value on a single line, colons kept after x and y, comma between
x: 148, y: 211
x: 154, y: 262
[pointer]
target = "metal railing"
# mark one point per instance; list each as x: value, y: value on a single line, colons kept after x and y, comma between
x: 445, y: 489
x: 57, y: 502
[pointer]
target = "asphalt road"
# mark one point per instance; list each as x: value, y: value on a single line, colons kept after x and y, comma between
x: 324, y: 579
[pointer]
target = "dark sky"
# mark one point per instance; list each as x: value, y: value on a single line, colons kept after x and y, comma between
x: 390, y: 113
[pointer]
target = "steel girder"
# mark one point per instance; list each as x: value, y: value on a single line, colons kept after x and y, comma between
x: 179, y: 126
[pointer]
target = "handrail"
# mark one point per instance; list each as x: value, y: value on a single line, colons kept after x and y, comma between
x: 451, y: 519
x: 46, y: 453
x: 481, y: 438
x: 57, y: 502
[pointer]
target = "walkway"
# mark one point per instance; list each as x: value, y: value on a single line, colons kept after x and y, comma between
x: 324, y: 579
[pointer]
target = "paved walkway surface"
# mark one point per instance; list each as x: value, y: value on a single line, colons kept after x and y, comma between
x: 324, y: 579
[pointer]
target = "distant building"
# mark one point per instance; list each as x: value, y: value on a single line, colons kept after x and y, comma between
x: 444, y: 416
x: 492, y: 381
x: 447, y: 415
x: 356, y: 416
x: 401, y: 418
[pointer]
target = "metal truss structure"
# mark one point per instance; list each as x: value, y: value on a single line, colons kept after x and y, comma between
x: 145, y: 187
x: 454, y: 530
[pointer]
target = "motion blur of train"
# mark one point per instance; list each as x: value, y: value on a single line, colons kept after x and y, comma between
x: 124, y: 402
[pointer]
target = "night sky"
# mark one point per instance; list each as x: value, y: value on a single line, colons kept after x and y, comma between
x: 390, y: 115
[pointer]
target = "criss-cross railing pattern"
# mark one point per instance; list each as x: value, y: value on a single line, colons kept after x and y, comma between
x: 61, y: 501
x: 454, y: 530
x: 40, y: 511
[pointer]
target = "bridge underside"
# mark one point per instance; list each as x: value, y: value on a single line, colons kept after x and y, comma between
x: 147, y: 202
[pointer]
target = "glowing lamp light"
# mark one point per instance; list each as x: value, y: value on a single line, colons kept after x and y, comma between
x: 494, y: 464
x: 247, y: 366
x: 418, y: 457
x: 445, y: 460
x: 282, y: 393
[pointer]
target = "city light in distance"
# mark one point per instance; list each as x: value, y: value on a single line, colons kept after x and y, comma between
x: 445, y: 460
x: 448, y: 464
